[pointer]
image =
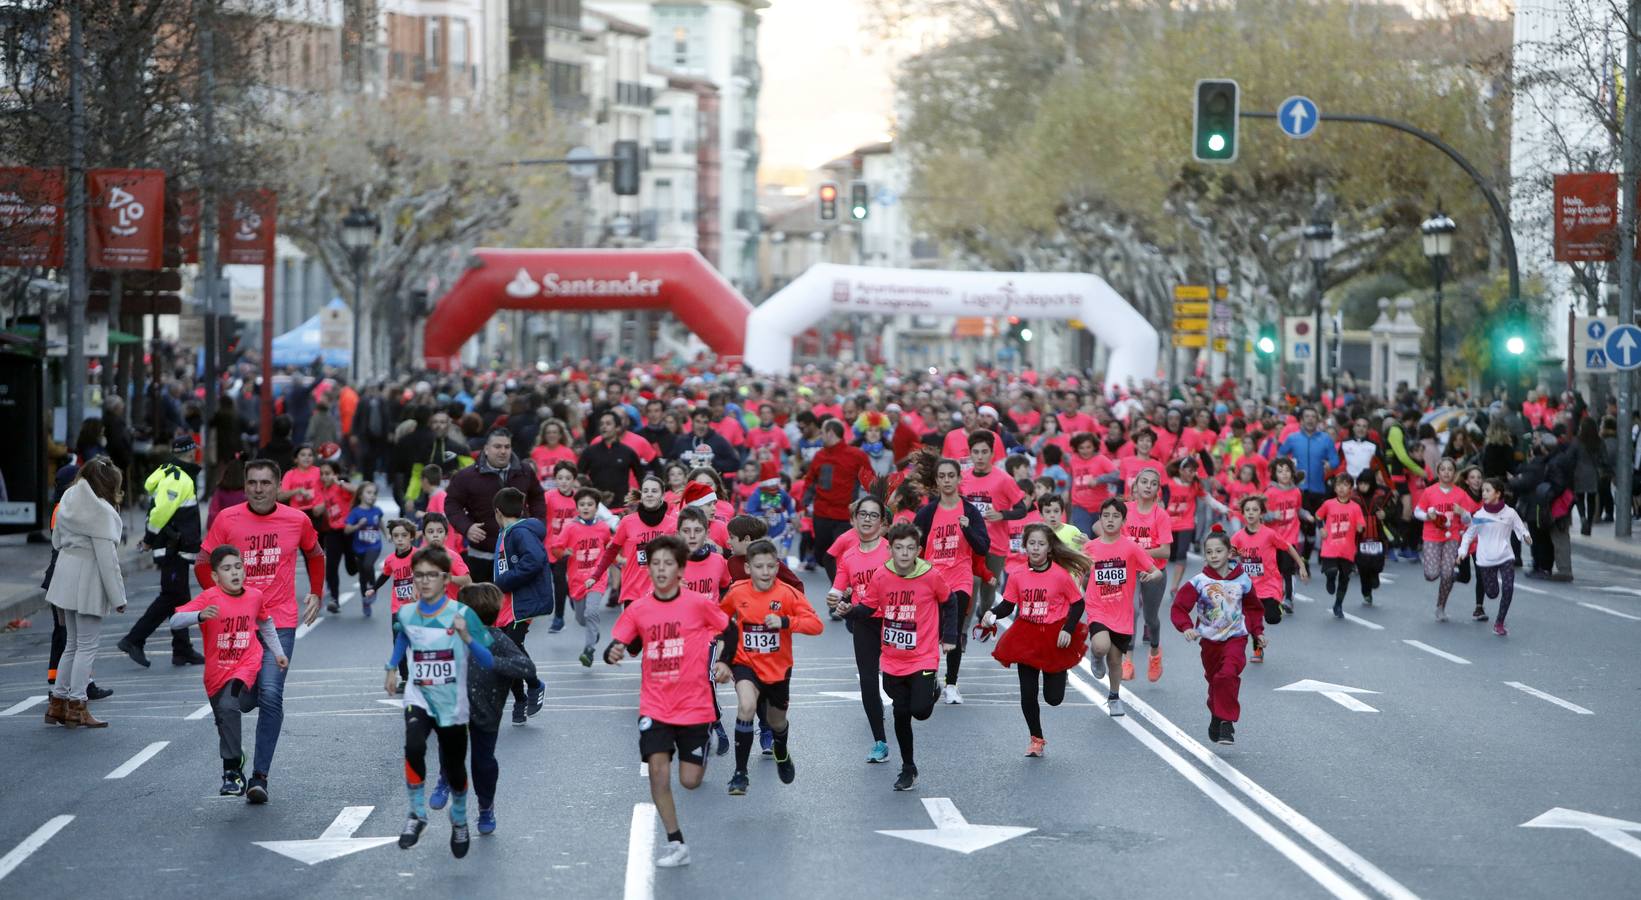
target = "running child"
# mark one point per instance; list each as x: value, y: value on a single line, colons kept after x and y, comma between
x: 364, y: 526
x: 957, y: 537
x: 920, y: 618
x: 1049, y: 635
x: 1489, y: 530
x: 1256, y: 546
x: 1284, y: 508
x: 1117, y: 565
x: 856, y: 566
x: 769, y: 612
x: 1341, y: 523
x: 436, y: 533
x: 1444, y: 508
x: 645, y: 521
x: 331, y: 515
x: 1375, y: 500
x: 437, y: 635
x: 674, y: 629
x: 1219, y: 608
x: 577, y: 545
x: 396, y: 569
x: 230, y: 617
x: 521, y: 570
x: 560, y: 492
x: 1149, y: 525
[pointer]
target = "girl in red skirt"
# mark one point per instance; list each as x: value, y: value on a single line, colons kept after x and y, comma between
x: 1048, y: 636
x: 1219, y: 608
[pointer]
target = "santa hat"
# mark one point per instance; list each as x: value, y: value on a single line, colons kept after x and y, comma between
x: 698, y: 494
x: 769, y: 471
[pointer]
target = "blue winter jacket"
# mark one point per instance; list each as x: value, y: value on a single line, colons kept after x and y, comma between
x: 522, y: 570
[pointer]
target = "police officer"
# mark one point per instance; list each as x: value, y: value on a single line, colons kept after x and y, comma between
x: 174, y: 536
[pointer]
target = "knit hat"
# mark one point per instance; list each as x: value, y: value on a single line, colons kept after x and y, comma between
x: 698, y: 494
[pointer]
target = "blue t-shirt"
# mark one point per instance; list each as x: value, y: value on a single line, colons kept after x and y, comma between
x: 1062, y: 478
x: 368, y: 539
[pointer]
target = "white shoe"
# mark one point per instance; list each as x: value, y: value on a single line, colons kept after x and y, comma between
x: 677, y: 855
x: 1099, y: 667
x: 951, y: 695
x: 1114, y: 707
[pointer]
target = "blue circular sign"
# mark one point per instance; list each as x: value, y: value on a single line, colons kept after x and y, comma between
x: 1597, y: 329
x: 1297, y: 116
x: 1624, y: 347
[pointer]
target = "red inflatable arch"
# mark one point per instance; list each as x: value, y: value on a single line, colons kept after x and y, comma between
x: 680, y: 281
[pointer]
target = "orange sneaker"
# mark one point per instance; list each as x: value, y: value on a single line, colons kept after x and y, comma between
x: 1127, y: 668
x: 1259, y: 654
x: 1153, y: 670
x: 1037, y: 747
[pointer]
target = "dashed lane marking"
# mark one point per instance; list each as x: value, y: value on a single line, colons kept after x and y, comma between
x: 1610, y: 612
x: 23, y: 705
x: 640, y: 883
x: 1550, y: 698
x: 32, y: 843
x: 134, y: 763
x: 1421, y: 645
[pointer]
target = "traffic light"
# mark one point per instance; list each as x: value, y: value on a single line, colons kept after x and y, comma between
x: 626, y: 168
x: 1515, y: 332
x: 1266, y: 342
x: 828, y: 196
x: 1215, y: 123
x: 1019, y: 330
x: 230, y: 334
x: 859, y: 202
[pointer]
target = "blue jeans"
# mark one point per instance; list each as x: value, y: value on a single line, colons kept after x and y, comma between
x: 1083, y: 520
x: 270, y: 701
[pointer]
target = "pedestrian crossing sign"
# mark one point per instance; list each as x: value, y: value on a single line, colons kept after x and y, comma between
x: 1595, y: 360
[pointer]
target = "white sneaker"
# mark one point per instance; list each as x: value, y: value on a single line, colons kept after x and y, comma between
x: 1099, y: 666
x: 951, y: 695
x: 677, y: 855
x: 1114, y: 707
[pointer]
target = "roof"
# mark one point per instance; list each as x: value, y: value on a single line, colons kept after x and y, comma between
x: 617, y: 25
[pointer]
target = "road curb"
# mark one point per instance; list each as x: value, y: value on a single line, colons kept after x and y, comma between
x: 1606, y: 555
x: 32, y: 601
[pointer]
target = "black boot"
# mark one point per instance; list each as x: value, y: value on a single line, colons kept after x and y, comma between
x: 191, y: 657
x: 93, y: 692
x: 133, y: 651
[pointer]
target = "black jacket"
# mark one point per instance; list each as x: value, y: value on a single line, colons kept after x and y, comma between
x: 712, y: 451
x: 471, y: 497
x: 487, y: 689
x: 974, y: 532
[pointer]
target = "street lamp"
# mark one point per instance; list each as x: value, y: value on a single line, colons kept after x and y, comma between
x: 359, y: 230
x: 1319, y: 247
x: 1437, y: 232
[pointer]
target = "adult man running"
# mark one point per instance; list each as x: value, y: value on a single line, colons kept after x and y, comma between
x: 270, y: 534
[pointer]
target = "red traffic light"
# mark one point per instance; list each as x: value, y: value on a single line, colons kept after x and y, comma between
x: 1014, y: 320
x: 829, y: 192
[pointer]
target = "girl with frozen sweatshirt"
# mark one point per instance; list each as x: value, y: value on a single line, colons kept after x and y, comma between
x: 1490, y: 529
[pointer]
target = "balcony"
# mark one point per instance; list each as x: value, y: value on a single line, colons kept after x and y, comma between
x: 631, y: 93
x: 663, y: 145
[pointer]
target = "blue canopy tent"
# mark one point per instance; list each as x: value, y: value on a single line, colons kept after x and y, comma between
x: 300, y: 345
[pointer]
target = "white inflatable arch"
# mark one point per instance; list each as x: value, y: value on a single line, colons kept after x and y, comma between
x: 828, y: 289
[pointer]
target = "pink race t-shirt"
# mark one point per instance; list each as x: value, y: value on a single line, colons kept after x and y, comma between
x: 1442, y: 522
x: 401, y: 585
x: 1086, y: 493
x: 1340, y: 522
x: 560, y: 510
x: 842, y: 545
x: 231, y: 648
x: 270, y: 545
x: 1257, y: 553
x: 1043, y: 597
x: 992, y: 491
x: 1130, y: 468
x: 1282, y: 504
x: 910, y: 610
x: 1149, y: 529
x: 1182, y: 504
x: 856, y: 566
x: 583, y: 544
x: 948, y: 551
x: 708, y: 576
x: 1113, y: 575
x: 677, y: 635
x: 310, y: 480
x: 1016, y: 537
x: 631, y: 536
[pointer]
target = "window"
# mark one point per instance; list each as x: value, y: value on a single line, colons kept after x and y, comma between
x: 431, y: 49
x: 665, y: 203
x: 680, y: 46
x: 663, y: 131
x: 458, y: 43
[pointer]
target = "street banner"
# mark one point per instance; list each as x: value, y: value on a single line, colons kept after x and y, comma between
x: 33, y: 206
x: 126, y: 225
x: 1586, y: 217
x: 245, y: 228
x: 188, y: 223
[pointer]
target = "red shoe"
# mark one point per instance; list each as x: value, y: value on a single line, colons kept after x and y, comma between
x: 1127, y: 669
x: 1153, y: 670
x: 1036, y: 747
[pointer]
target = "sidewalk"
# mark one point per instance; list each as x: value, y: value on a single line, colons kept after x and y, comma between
x: 23, y: 567
x: 1602, y: 546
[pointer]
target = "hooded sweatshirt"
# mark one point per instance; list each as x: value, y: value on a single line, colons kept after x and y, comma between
x: 1224, y: 605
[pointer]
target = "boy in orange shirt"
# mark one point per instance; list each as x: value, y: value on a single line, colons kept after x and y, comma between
x: 769, y: 612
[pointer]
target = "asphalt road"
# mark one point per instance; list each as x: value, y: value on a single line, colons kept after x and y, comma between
x: 1424, y: 796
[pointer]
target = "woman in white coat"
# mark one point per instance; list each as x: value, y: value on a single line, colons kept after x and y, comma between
x: 87, y: 585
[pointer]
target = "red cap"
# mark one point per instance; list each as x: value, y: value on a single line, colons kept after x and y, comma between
x: 698, y: 494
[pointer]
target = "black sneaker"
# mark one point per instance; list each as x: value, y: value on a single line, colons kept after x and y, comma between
x: 1227, y: 733
x: 722, y: 736
x: 738, y: 784
x: 94, y: 692
x: 536, y: 695
x: 519, y: 715
x: 785, y: 769
x: 1213, y: 729
x: 257, y: 790
x: 1367, y: 599
x: 133, y: 651
x: 1480, y: 615
x: 414, y: 826
x: 458, y: 841
x: 587, y: 657
x: 233, y: 784
x: 907, y: 779
x: 1338, y: 609
x: 191, y: 658
x: 333, y: 607
x: 1332, y: 581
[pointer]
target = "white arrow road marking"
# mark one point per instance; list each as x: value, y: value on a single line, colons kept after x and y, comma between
x: 953, y: 832
x: 1610, y: 612
x: 131, y: 765
x: 1338, y: 693
x: 1535, y: 692
x: 22, y: 705
x: 640, y: 884
x: 335, y: 841
x: 1617, y: 589
x: 1421, y: 645
x: 203, y: 711
x: 854, y: 695
x: 32, y: 843
x: 1613, y: 831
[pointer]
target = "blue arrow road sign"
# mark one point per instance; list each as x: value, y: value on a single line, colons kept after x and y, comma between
x: 1624, y: 347
x: 1597, y: 329
x: 1297, y: 116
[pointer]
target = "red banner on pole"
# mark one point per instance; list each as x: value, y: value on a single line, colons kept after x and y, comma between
x: 188, y: 216
x: 33, y: 206
x: 245, y: 228
x: 126, y: 225
x: 1586, y: 217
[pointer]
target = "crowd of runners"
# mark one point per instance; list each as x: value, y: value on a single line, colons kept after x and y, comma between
x: 671, y: 512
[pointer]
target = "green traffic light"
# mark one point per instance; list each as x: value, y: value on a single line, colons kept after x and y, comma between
x: 1516, y: 345
x: 1266, y: 346
x: 859, y: 212
x: 1216, y: 142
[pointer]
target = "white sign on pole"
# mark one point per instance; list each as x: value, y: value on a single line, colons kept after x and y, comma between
x: 336, y: 328
x: 96, y: 334
x: 1590, y: 343
x: 1300, y: 338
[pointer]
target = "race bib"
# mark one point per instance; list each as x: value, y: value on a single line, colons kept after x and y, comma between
x: 1371, y: 548
x: 1015, y: 544
x: 1253, y: 567
x: 760, y: 639
x: 403, y: 590
x: 431, y: 667
x: 643, y: 556
x: 983, y: 505
x: 369, y: 536
x: 900, y: 635
x: 1110, y: 573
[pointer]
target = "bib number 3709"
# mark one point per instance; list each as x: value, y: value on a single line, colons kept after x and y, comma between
x: 430, y: 667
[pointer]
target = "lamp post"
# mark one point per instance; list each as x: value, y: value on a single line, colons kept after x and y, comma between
x: 359, y: 230
x: 1437, y: 232
x: 1319, y: 247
